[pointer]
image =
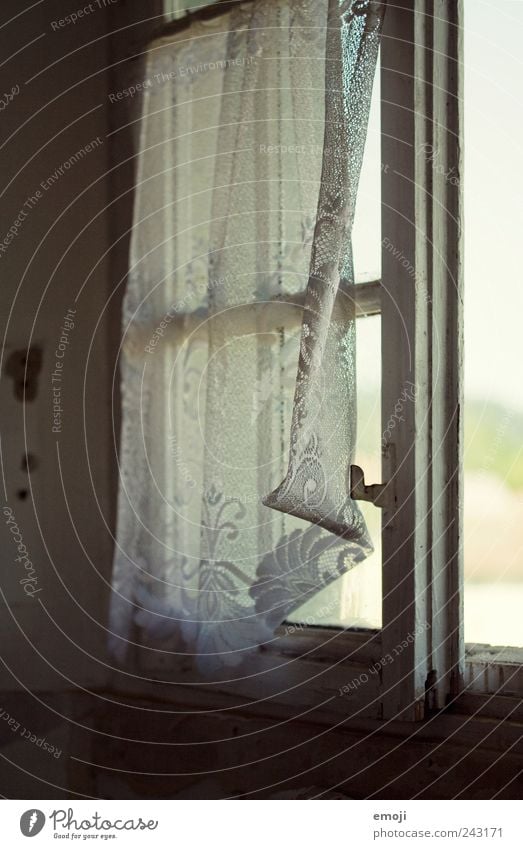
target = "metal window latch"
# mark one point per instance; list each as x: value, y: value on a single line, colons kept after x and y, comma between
x: 379, y: 494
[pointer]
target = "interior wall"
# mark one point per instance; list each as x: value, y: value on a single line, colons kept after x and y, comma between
x: 57, y: 442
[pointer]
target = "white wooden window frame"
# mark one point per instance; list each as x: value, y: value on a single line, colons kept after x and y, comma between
x: 422, y: 344
x: 424, y: 666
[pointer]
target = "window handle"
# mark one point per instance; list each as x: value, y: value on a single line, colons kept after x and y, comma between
x: 379, y: 494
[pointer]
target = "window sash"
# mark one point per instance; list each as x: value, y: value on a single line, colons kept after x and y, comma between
x: 422, y: 339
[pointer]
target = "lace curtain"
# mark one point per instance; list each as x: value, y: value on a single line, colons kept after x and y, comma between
x: 252, y: 135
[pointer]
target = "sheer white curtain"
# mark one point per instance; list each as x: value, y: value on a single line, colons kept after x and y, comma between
x: 252, y: 134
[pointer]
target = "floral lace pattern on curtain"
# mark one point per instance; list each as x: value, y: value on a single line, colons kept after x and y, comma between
x: 323, y: 432
x: 245, y: 190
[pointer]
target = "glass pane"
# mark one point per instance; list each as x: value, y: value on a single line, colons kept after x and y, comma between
x: 493, y: 340
x: 354, y: 601
x: 176, y: 8
x: 366, y: 236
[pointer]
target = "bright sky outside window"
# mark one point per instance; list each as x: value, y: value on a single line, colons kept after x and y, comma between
x: 493, y: 340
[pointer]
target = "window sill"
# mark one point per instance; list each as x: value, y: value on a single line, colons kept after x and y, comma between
x: 327, y: 673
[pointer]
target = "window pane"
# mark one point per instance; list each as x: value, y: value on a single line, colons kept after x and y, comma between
x: 354, y: 601
x: 366, y: 236
x: 493, y: 339
x: 177, y: 8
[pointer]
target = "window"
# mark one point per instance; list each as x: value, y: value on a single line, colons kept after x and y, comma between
x: 493, y: 402
x: 415, y: 415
